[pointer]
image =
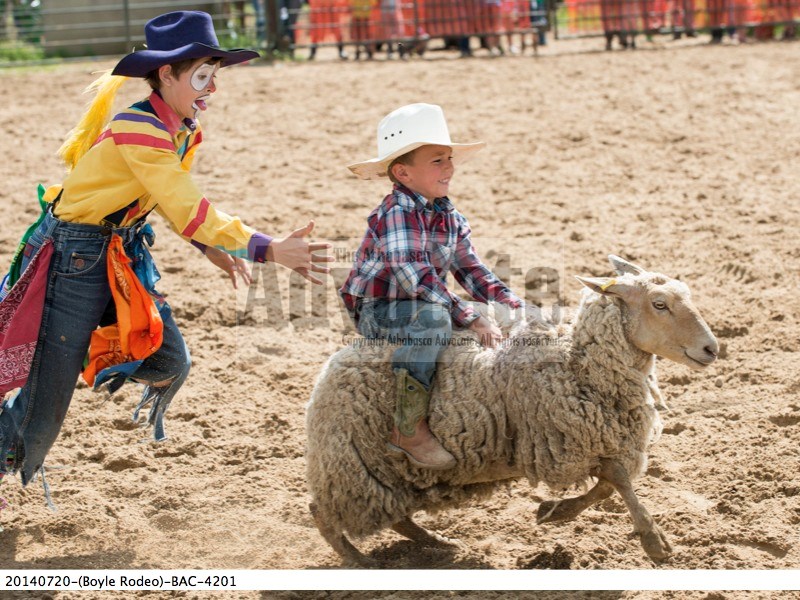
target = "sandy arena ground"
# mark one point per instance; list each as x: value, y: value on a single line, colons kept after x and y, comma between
x: 682, y: 159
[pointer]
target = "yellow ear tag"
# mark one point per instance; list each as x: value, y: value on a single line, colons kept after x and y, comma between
x: 608, y: 284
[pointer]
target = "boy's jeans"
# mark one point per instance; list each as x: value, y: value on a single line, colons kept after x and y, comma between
x: 77, y: 297
x: 423, y: 328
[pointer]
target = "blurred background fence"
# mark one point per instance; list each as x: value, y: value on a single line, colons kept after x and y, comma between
x: 409, y: 20
x: 761, y: 19
x: 32, y: 30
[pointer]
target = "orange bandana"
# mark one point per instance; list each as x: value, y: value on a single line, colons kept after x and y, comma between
x: 138, y: 332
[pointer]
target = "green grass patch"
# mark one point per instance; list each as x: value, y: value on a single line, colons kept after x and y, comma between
x: 233, y: 39
x: 19, y: 51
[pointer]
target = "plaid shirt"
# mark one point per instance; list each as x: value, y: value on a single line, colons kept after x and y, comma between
x: 407, y: 251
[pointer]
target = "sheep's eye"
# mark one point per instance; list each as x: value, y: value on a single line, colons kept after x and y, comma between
x: 659, y: 305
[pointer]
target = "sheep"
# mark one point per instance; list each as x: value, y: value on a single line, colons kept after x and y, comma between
x: 556, y: 403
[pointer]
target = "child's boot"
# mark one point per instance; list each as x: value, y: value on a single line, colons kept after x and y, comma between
x: 411, y: 434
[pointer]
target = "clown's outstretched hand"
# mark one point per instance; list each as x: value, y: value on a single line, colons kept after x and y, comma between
x: 297, y: 254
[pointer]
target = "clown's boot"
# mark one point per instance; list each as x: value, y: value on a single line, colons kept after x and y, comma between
x: 411, y: 434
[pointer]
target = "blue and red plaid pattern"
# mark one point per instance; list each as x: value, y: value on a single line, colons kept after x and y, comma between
x: 407, y: 251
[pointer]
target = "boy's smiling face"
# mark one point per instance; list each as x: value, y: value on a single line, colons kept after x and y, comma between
x: 429, y: 171
x: 187, y: 93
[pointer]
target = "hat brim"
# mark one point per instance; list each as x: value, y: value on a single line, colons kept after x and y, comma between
x: 139, y: 64
x: 376, y: 168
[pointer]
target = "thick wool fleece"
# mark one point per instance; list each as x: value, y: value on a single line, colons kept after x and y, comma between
x: 547, y: 406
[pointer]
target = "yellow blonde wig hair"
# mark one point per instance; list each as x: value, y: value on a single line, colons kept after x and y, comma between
x: 96, y: 117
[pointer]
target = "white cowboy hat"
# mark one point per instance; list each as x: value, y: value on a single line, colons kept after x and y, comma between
x: 406, y: 129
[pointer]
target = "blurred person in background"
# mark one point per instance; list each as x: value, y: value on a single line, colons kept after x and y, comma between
x: 447, y: 19
x: 515, y: 16
x: 619, y: 20
x: 718, y: 15
x: 325, y: 17
x: 770, y: 12
x: 538, y: 19
x: 741, y: 14
x: 653, y: 13
x: 391, y: 25
x: 683, y: 18
x: 486, y: 20
x: 290, y: 12
x: 361, y: 27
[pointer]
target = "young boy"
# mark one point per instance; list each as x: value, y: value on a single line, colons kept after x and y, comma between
x: 119, y: 172
x: 397, y: 289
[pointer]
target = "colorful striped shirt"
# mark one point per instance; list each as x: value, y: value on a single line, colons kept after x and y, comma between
x: 141, y: 163
x: 407, y: 251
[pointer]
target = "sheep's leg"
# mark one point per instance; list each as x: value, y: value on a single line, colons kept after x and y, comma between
x: 653, y: 540
x: 655, y: 391
x: 351, y: 556
x: 551, y: 511
x: 407, y: 528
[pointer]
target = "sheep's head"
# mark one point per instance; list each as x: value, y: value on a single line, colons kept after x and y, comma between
x: 659, y: 315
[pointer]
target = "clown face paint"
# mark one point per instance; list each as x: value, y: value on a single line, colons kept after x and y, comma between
x: 188, y: 93
x: 203, y: 75
x: 202, y: 78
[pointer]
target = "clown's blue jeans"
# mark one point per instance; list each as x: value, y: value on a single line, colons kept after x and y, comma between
x: 77, y: 301
x: 423, y: 329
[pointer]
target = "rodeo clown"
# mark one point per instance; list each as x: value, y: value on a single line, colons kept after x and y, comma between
x: 83, y: 279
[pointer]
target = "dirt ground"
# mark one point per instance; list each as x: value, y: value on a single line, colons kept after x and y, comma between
x: 682, y: 159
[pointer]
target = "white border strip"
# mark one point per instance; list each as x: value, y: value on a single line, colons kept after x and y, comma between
x: 393, y: 580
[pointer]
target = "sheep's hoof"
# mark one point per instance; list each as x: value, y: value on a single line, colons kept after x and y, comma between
x: 445, y: 542
x: 360, y: 561
x: 655, y: 544
x: 551, y: 511
x: 408, y: 528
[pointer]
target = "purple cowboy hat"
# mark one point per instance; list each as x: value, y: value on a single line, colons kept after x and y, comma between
x: 176, y: 36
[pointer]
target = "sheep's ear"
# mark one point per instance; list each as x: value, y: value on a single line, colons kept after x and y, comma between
x: 597, y: 284
x: 622, y: 266
x: 606, y: 286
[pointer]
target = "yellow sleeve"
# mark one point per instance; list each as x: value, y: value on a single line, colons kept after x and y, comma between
x: 152, y: 159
